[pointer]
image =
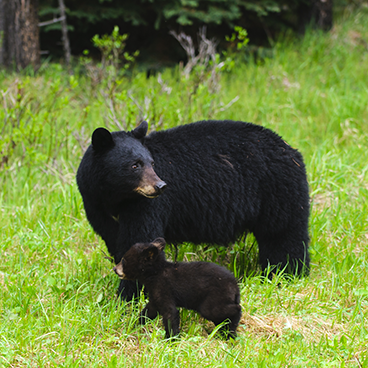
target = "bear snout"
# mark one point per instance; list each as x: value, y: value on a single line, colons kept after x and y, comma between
x: 151, y: 186
x: 118, y: 269
x: 160, y: 187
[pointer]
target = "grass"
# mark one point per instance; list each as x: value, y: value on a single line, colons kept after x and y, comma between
x: 57, y: 290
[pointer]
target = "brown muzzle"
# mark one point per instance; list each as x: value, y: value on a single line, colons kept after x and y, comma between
x: 151, y: 186
x: 118, y: 269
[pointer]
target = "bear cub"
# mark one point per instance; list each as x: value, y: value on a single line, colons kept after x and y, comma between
x: 204, y: 287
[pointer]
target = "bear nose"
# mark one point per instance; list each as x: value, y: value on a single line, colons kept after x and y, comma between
x: 160, y: 186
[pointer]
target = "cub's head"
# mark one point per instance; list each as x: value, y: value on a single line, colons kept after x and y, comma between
x: 125, y: 164
x: 142, y: 259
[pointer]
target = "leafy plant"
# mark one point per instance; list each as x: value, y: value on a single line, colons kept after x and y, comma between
x: 237, y: 44
x: 112, y: 49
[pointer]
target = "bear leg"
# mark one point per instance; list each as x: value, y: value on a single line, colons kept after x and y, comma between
x: 129, y: 290
x: 288, y: 252
x: 231, y: 315
x: 148, y: 312
x: 228, y: 313
x: 171, y: 321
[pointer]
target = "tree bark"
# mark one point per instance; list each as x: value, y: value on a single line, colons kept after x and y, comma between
x: 64, y: 31
x: 3, y: 32
x: 19, y: 33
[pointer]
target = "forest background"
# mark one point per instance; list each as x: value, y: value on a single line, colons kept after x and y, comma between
x: 32, y: 28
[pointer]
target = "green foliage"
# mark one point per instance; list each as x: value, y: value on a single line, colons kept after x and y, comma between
x: 86, y: 17
x: 115, y: 60
x: 110, y: 73
x: 240, y: 37
x: 218, y: 11
x: 112, y: 48
x: 237, y: 42
x: 212, y: 11
x: 184, y: 12
x: 57, y: 302
x: 26, y: 122
x: 200, y: 78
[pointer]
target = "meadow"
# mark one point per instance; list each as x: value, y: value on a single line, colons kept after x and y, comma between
x: 58, y: 304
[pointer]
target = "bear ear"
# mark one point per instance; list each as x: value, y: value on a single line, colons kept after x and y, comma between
x: 159, y: 243
x: 140, y: 131
x: 150, y: 252
x: 102, y: 139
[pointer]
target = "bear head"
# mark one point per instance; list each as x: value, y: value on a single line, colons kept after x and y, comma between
x: 141, y: 260
x: 124, y: 165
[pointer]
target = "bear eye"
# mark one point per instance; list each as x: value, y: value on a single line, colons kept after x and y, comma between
x: 136, y: 165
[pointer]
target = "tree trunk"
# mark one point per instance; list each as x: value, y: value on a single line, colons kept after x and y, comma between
x: 19, y: 33
x: 315, y: 12
x: 64, y: 31
x: 3, y: 27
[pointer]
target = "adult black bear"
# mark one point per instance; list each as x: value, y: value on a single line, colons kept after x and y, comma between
x: 223, y: 178
x: 204, y: 287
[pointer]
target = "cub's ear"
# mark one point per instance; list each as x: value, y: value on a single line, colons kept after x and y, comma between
x: 159, y: 243
x: 102, y: 139
x: 150, y: 252
x: 140, y: 131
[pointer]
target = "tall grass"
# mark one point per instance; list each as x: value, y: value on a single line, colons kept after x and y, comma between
x: 57, y: 291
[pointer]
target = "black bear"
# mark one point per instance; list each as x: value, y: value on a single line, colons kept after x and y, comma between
x: 222, y: 179
x: 204, y: 287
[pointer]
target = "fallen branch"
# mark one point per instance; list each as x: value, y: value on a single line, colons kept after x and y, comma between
x: 48, y: 22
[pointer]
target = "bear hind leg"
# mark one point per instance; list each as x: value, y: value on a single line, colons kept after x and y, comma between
x: 171, y: 319
x: 228, y: 313
x: 228, y: 330
x: 148, y: 312
x: 288, y: 253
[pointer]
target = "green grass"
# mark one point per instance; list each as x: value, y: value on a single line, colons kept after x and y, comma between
x: 57, y: 291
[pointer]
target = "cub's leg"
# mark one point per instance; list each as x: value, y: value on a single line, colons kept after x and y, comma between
x: 148, y: 312
x: 171, y: 320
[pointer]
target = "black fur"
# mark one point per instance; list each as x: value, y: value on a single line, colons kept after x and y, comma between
x: 223, y: 178
x: 204, y: 287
